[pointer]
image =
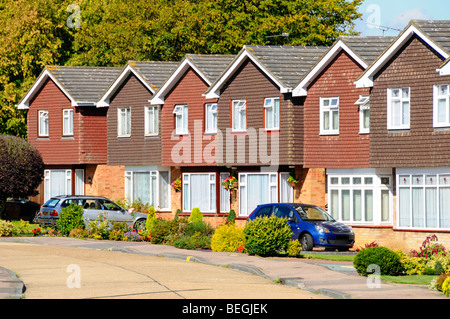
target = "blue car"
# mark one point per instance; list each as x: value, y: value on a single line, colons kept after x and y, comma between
x: 311, y: 225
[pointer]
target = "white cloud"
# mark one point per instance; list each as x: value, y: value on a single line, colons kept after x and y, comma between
x: 403, y: 18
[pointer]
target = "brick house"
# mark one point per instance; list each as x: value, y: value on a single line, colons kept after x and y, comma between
x: 337, y: 132
x: 409, y: 130
x: 261, y: 127
x: 67, y: 128
x: 189, y: 130
x: 134, y: 133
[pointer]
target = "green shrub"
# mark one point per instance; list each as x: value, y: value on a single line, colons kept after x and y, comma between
x: 99, y: 228
x: 6, y: 228
x: 163, y: 231
x: 294, y: 248
x: 440, y: 280
x: 412, y: 265
x: 78, y: 233
x: 388, y: 261
x: 196, y: 215
x: 267, y: 236
x: 117, y: 230
x: 231, y: 217
x: 71, y: 217
x: 446, y: 286
x: 227, y: 238
x: 196, y: 241
x: 151, y: 219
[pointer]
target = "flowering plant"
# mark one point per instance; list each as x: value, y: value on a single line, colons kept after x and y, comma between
x: 36, y: 231
x: 430, y: 247
x: 131, y: 236
x: 230, y: 183
x: 176, y: 185
x: 291, y: 180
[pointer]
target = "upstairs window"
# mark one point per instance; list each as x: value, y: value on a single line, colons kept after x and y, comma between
x: 441, y: 106
x: 211, y: 118
x: 272, y: 113
x: 398, y: 108
x: 239, y: 115
x: 68, y: 122
x: 43, y: 123
x: 151, y: 120
x: 124, y: 122
x: 364, y: 114
x: 329, y: 116
x: 181, y: 119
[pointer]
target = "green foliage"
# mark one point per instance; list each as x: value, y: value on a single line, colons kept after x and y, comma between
x: 266, y: 236
x: 294, y: 248
x: 164, y: 230
x: 388, y: 261
x: 99, y: 228
x: 118, y: 230
x: 446, y: 286
x: 227, y: 238
x: 194, y: 235
x: 78, y: 233
x: 71, y: 217
x: 6, y: 228
x: 196, y: 215
x: 231, y: 217
x: 151, y: 219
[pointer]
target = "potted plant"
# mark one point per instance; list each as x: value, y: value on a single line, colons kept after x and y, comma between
x: 176, y: 185
x: 292, y: 181
x: 230, y: 183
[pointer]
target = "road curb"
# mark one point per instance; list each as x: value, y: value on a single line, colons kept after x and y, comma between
x: 11, y: 287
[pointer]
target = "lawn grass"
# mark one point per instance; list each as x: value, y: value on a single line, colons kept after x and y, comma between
x: 410, y: 280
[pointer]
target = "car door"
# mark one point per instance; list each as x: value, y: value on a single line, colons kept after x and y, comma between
x: 114, y: 212
x: 91, y: 211
x: 285, y: 211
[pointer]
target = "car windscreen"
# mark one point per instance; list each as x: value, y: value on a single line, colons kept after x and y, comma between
x: 52, y: 202
x: 313, y: 213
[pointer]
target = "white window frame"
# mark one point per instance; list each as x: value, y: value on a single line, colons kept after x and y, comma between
x: 437, y: 96
x: 153, y: 173
x: 151, y: 121
x: 243, y: 183
x: 239, y: 106
x: 224, y: 195
x: 274, y: 115
x: 48, y: 183
x: 404, y: 125
x: 330, y: 109
x: 361, y: 181
x: 123, y: 118
x: 211, y: 118
x: 43, y: 120
x: 409, y: 179
x: 68, y: 122
x: 187, y: 205
x: 290, y: 192
x: 181, y: 113
x: 364, y: 106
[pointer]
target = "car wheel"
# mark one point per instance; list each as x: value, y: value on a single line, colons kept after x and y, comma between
x: 307, y: 242
x: 139, y: 224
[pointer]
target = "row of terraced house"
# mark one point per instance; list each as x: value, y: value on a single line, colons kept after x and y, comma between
x: 362, y: 125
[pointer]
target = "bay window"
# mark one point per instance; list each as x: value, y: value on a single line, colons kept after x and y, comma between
x: 423, y: 198
x: 256, y: 189
x: 148, y: 186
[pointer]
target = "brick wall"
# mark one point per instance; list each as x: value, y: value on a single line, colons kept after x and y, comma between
x: 107, y: 181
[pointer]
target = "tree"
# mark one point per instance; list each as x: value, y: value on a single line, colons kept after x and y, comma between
x: 21, y: 169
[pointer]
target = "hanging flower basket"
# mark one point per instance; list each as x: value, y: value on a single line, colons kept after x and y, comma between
x: 176, y: 185
x: 292, y: 181
x: 230, y: 183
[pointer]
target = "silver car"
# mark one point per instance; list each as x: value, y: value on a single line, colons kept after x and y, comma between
x: 93, y: 206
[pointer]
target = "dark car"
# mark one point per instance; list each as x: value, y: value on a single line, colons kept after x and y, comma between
x: 311, y: 225
x: 17, y: 209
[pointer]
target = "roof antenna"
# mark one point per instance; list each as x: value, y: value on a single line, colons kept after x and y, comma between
x: 284, y: 34
x: 382, y: 27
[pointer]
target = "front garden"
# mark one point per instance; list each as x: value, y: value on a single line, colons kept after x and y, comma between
x: 430, y: 264
x: 268, y: 236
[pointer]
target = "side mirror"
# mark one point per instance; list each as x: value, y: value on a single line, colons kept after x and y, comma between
x: 292, y: 219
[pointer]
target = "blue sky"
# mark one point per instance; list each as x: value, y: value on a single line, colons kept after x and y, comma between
x: 396, y: 14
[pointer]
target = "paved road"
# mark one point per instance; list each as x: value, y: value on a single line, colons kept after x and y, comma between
x: 124, y: 269
x: 51, y: 272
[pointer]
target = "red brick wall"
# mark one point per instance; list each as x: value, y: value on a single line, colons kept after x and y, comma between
x: 189, y: 90
x: 349, y: 149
